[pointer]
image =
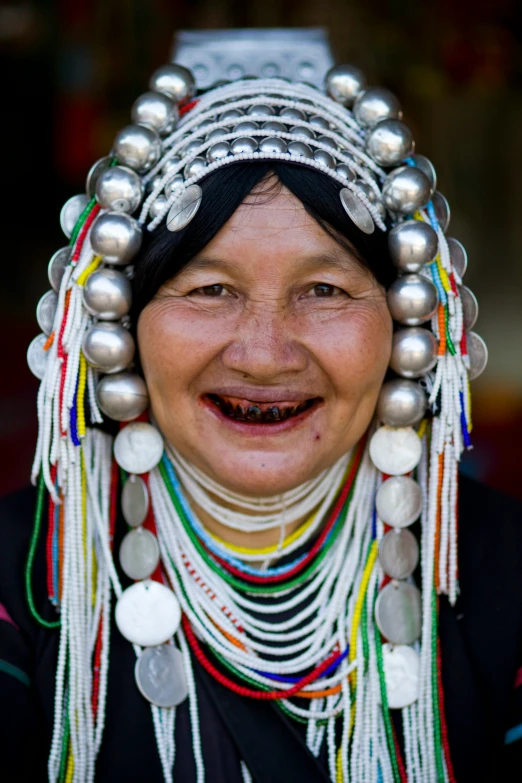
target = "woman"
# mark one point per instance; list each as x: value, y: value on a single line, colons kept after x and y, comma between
x: 284, y: 555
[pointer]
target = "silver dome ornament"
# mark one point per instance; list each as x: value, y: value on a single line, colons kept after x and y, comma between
x: 414, y: 352
x: 305, y: 133
x: 273, y: 126
x: 389, y: 142
x: 218, y: 151
x: 319, y: 122
x: 184, y: 208
x: 478, y: 354
x: 107, y: 294
x: 412, y: 244
x: 46, y: 311
x: 231, y: 114
x: 458, y: 255
x: 272, y: 145
x: 116, y: 237
x: 395, y: 450
x: 57, y: 266
x: 375, y: 104
x: 216, y: 134
x: 328, y: 141
x: 246, y: 127
x: 192, y: 147
x: 175, y: 81
x: 427, y: 167
x: 138, y: 447
x: 158, y: 205
x: 401, y: 403
x: 357, y: 211
x: 37, y: 357
x: 175, y: 183
x: 170, y: 164
x: 138, y: 147
x: 412, y: 299
x: 155, y: 110
x: 291, y: 115
x: 108, y: 347
x: 324, y: 157
x: 260, y: 109
x: 300, y: 149
x: 470, y: 308
x: 343, y: 83
x: 119, y: 188
x: 405, y: 190
x: 194, y: 167
x: 96, y: 169
x: 442, y: 210
x: 346, y: 172
x: 122, y: 396
x: 71, y: 211
x: 244, y: 145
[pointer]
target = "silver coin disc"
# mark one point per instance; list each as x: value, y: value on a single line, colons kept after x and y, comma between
x: 147, y: 613
x: 399, y: 553
x: 442, y: 210
x: 357, y: 211
x: 398, y: 612
x: 134, y: 501
x: 395, y: 450
x: 470, y: 308
x: 184, y: 208
x: 478, y: 354
x: 399, y: 501
x: 46, y: 311
x: 139, y: 553
x: 37, y: 357
x: 138, y: 447
x: 458, y: 255
x: 401, y: 675
x: 57, y: 265
x: 71, y: 211
x: 160, y: 676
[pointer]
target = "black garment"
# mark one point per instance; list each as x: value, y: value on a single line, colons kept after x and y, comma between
x: 481, y: 652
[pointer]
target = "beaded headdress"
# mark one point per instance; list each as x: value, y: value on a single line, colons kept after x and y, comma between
x: 353, y: 134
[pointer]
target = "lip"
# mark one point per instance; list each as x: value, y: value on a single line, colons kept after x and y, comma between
x: 277, y: 394
x: 261, y: 430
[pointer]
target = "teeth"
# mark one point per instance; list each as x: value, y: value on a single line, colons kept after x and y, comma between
x: 255, y: 414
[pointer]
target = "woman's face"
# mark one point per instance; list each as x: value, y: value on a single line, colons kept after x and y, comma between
x: 264, y: 357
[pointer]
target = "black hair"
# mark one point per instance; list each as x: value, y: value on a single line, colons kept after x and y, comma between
x: 166, y: 253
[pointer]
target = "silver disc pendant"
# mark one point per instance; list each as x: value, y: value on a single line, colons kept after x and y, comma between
x: 147, y: 613
x: 138, y: 447
x: 37, y: 357
x: 139, y: 553
x: 184, y: 208
x: 458, y: 255
x: 357, y: 211
x: 470, y: 308
x: 46, y: 310
x: 134, y: 501
x: 57, y: 265
x: 95, y: 173
x: 160, y: 676
x: 399, y: 553
x: 401, y: 674
x: 398, y: 613
x: 399, y: 501
x: 478, y: 354
x: 395, y: 450
x: 71, y: 211
x: 442, y: 210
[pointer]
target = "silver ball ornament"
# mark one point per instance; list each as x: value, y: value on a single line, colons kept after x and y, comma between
x: 175, y: 81
x: 346, y: 172
x: 405, y: 190
x: 138, y: 147
x: 120, y: 189
x: 427, y: 167
x: 158, y: 205
x: 116, y: 236
x: 414, y: 352
x: 412, y: 244
x: 375, y: 104
x: 122, y: 396
x: 272, y: 145
x: 324, y: 157
x: 412, y: 299
x: 246, y: 127
x: 192, y: 147
x: 108, y: 347
x: 194, y: 167
x: 389, y: 142
x: 174, y: 184
x: 300, y: 149
x: 260, y: 109
x: 218, y: 151
x: 305, y: 133
x: 107, y: 294
x: 244, y: 145
x: 401, y: 403
x: 155, y: 110
x: 231, y: 114
x: 344, y: 83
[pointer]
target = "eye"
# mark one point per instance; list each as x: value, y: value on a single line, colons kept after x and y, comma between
x: 325, y: 289
x: 210, y: 290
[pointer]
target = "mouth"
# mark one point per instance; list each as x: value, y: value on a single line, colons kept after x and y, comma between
x: 257, y: 412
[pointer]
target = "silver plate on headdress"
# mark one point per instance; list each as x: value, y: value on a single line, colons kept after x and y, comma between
x: 184, y: 208
x: 478, y: 355
x: 401, y: 674
x: 138, y: 447
x: 395, y: 450
x: 57, y: 265
x: 139, y: 553
x: 134, y: 501
x: 357, y: 211
x: 399, y: 501
x: 399, y: 553
x: 71, y: 211
x: 46, y: 311
x: 37, y: 357
x: 398, y: 612
x: 160, y: 676
x: 147, y: 613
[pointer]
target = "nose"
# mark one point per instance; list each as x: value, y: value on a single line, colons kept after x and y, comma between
x: 265, y: 347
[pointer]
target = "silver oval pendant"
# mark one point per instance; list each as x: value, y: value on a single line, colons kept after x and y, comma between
x: 138, y: 447
x: 184, y: 208
x: 395, y: 450
x: 401, y: 674
x: 160, y: 676
x: 46, y: 311
x: 399, y: 553
x: 399, y: 501
x: 134, y: 501
x: 398, y: 613
x: 71, y: 211
x: 37, y: 357
x: 147, y: 613
x: 139, y: 553
x: 357, y: 211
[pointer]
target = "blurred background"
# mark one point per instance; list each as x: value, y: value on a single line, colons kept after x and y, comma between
x: 72, y: 68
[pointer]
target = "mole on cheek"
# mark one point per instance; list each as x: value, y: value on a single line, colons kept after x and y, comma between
x: 317, y: 437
